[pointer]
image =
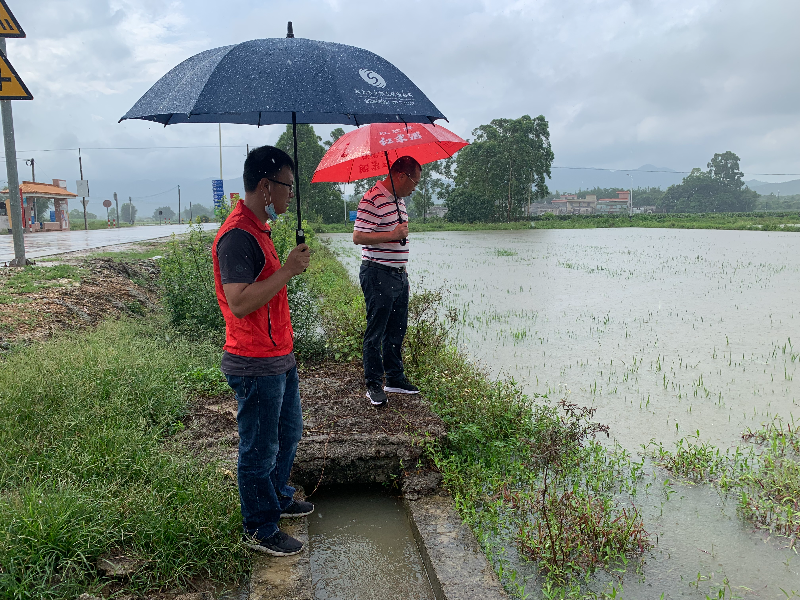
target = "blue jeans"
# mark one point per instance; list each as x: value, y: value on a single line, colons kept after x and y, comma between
x: 386, y: 297
x: 270, y: 426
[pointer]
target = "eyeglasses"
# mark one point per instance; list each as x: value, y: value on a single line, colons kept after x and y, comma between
x: 416, y: 181
x: 288, y: 185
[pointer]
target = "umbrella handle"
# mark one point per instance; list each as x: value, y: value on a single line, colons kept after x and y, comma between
x: 394, y: 193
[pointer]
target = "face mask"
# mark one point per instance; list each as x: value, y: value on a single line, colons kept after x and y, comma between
x: 270, y: 208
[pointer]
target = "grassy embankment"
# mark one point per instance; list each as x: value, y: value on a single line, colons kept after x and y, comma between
x: 789, y: 221
x: 88, y: 463
x: 418, y: 226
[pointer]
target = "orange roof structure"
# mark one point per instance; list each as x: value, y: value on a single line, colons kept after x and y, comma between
x: 43, y: 190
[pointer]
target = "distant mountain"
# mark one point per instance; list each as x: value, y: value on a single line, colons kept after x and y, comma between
x: 785, y: 188
x: 572, y: 180
x: 148, y: 195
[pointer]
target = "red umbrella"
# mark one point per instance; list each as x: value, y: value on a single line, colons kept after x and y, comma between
x: 368, y: 151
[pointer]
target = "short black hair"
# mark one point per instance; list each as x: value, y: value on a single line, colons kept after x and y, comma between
x: 265, y: 161
x: 405, y: 164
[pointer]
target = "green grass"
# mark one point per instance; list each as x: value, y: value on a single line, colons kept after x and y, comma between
x: 789, y: 221
x: 34, y: 278
x: 144, y: 251
x: 86, y: 464
x: 418, y: 226
x: 765, y: 477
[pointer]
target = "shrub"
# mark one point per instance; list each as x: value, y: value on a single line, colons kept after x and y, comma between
x: 187, y: 283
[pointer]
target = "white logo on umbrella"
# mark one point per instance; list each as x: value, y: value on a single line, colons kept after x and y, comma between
x: 372, y: 78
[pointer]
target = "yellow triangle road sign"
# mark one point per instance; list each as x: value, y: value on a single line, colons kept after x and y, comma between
x: 11, y: 86
x: 9, y: 26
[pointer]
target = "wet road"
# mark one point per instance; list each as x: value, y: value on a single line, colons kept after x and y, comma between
x: 58, y: 242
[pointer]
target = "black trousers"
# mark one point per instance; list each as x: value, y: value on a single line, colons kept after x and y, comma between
x: 386, y: 296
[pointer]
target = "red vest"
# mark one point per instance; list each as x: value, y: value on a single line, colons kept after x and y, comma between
x: 268, y: 330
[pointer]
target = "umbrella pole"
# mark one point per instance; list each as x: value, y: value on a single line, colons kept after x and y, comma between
x: 300, y: 235
x: 394, y: 193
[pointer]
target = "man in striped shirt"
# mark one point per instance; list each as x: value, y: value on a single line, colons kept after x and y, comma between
x: 381, y: 226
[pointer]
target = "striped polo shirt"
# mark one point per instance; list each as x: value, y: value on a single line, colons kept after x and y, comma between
x: 377, y: 211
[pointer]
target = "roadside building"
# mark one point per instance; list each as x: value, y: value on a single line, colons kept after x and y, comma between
x: 614, y: 206
x: 540, y: 208
x: 570, y: 204
x: 437, y: 210
x: 56, y: 219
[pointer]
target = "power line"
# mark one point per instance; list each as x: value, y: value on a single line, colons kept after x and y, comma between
x: 154, y: 195
x: 655, y: 171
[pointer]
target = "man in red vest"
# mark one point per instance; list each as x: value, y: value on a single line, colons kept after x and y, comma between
x: 258, y: 358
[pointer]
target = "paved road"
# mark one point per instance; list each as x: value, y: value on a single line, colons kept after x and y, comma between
x: 58, y: 242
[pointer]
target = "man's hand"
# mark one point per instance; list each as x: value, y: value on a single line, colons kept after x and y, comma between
x: 401, y: 231
x: 298, y: 260
x: 244, y: 298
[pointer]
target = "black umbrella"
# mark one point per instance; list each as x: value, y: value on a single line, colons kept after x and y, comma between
x: 285, y: 80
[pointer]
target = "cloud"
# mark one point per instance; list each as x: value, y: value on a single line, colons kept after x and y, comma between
x: 623, y: 83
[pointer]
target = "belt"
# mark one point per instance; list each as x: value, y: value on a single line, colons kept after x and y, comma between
x: 376, y: 265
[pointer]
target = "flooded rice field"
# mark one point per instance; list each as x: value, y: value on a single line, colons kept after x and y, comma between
x: 671, y: 335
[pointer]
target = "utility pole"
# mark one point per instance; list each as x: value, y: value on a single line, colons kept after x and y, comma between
x: 630, y: 198
x: 116, y: 207
x: 190, y: 211
x: 15, y: 210
x: 130, y: 204
x: 179, y: 205
x: 32, y: 164
x: 80, y: 166
x: 220, y: 150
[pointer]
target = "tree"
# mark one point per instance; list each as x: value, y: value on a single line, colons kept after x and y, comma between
x: 166, y: 213
x: 335, y: 135
x: 196, y: 210
x: 720, y: 189
x: 466, y: 205
x: 428, y: 186
x: 725, y: 169
x: 505, y: 167
x: 128, y: 212
x: 320, y: 201
x: 76, y: 214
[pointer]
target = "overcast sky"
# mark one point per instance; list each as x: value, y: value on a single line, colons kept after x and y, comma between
x: 665, y: 82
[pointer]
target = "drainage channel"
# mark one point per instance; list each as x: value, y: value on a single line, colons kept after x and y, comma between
x: 362, y: 547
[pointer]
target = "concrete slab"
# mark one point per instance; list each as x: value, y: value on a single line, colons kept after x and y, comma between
x: 348, y: 441
x: 457, y: 568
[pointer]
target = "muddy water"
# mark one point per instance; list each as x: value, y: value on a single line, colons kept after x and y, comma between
x: 362, y: 548
x: 668, y: 334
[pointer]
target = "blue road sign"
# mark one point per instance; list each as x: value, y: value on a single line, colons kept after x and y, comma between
x: 219, y: 192
x: 353, y: 215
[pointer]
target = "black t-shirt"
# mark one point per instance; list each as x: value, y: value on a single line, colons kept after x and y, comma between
x: 241, y: 260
